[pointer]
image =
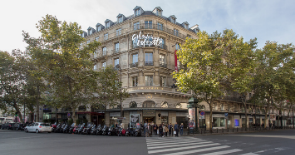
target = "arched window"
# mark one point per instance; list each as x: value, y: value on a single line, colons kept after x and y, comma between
x: 164, y: 104
x: 148, y: 104
x: 133, y: 104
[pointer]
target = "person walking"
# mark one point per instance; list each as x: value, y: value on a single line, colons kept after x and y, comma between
x: 145, y: 128
x: 169, y: 128
x: 164, y: 130
x: 160, y: 130
x: 148, y: 130
x: 181, y: 129
x: 176, y: 128
x: 155, y: 128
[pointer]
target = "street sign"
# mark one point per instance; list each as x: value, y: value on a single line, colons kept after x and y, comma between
x: 121, y: 118
x: 202, y: 113
x: 226, y: 115
x: 69, y: 115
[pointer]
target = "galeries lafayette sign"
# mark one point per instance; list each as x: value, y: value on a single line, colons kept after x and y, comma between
x: 146, y: 40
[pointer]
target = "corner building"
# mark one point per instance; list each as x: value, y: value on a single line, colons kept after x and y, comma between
x: 145, y: 71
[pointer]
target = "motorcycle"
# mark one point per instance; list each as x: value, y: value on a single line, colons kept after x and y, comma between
x: 120, y: 130
x: 129, y: 131
x: 54, y: 126
x: 105, y: 130
x: 72, y: 127
x: 93, y: 130
x: 75, y: 130
x: 99, y: 130
x: 137, y: 131
x: 87, y: 129
x: 80, y: 129
x: 66, y: 128
x: 58, y: 127
x: 112, y: 130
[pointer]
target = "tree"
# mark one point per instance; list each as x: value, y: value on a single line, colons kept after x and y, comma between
x: 109, y: 89
x: 63, y: 62
x: 240, y: 58
x: 12, y: 80
x: 203, y: 68
x: 268, y: 75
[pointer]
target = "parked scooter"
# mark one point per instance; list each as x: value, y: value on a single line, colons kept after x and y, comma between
x: 58, y: 127
x: 99, y: 130
x: 137, y: 131
x: 75, y: 130
x: 66, y: 128
x: 54, y: 126
x: 87, y: 129
x: 129, y: 131
x: 80, y: 129
x: 72, y: 127
x: 105, y: 130
x: 112, y: 130
x: 93, y: 130
x: 120, y: 130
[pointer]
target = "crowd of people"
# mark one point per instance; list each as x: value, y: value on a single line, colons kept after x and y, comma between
x: 162, y: 130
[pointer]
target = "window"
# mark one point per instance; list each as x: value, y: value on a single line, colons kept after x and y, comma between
x: 175, y: 32
x: 163, y: 81
x: 121, y: 19
x: 117, y: 45
x: 162, y: 43
x: 106, y: 36
x: 218, y: 122
x: 116, y: 61
x: 95, y: 54
x: 118, y: 32
x: 104, y: 51
x: 88, y: 41
x: 148, y: 59
x: 149, y: 80
x: 89, y: 32
x: 148, y: 104
x: 135, y: 41
x: 95, y: 67
x: 177, y: 47
x: 158, y: 13
x: 104, y: 64
x: 160, y: 26
x: 148, y: 24
x: 136, y: 26
x: 137, y: 12
x: 189, y: 36
x: 97, y: 38
x: 108, y: 24
x: 173, y: 20
x: 135, y: 58
x: 162, y: 59
x: 134, y: 81
x: 98, y: 28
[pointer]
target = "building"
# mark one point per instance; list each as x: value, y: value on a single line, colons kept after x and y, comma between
x: 142, y: 47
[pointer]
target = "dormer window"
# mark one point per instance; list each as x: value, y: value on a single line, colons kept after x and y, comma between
x: 158, y: 11
x: 108, y: 24
x: 89, y: 32
x: 137, y: 12
x: 173, y: 21
x: 98, y: 28
x: 121, y: 19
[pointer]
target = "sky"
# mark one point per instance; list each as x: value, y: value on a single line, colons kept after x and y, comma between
x: 266, y: 20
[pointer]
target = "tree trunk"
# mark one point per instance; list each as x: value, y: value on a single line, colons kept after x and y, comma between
x: 19, y: 113
x: 210, y: 125
x: 73, y: 115
x: 246, y: 115
x: 266, y: 119
x: 37, y: 115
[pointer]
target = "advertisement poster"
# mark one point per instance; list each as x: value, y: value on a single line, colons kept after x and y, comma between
x: 134, y: 119
x: 191, y: 113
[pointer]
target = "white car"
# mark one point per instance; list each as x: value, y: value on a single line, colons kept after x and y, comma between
x: 38, y: 127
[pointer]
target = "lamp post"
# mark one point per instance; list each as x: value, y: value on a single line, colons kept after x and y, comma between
x: 193, y: 114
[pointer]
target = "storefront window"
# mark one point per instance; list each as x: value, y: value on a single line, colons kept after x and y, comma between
x: 164, y: 119
x: 218, y: 122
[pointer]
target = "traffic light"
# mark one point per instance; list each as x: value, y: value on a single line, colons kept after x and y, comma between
x: 159, y: 115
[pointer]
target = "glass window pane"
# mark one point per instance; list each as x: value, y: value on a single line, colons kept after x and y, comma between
x: 135, y: 58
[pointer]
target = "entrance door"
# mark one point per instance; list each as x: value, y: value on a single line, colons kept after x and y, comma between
x: 149, y: 119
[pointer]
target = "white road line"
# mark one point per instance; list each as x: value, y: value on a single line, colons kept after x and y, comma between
x: 164, y: 143
x: 177, y: 145
x: 223, y: 152
x: 200, y: 150
x: 250, y: 154
x: 164, y: 138
x: 182, y: 148
x: 168, y: 142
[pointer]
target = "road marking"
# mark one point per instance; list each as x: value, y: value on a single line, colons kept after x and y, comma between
x: 249, y: 153
x: 179, y: 145
x: 200, y: 150
x: 223, y: 152
x: 164, y: 144
x: 176, y: 149
x: 168, y: 142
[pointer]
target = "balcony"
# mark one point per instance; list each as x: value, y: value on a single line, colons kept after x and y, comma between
x: 161, y: 64
x: 117, y: 50
x: 133, y: 64
x: 149, y: 63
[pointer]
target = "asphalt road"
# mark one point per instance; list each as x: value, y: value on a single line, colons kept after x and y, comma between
x: 261, y: 143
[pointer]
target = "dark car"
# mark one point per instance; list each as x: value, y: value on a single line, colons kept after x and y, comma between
x: 18, y: 126
x: 10, y: 126
x: 5, y: 126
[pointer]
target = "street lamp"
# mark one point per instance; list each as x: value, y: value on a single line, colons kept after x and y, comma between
x: 193, y: 113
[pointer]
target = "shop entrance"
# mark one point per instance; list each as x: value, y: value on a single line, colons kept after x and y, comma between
x: 149, y: 119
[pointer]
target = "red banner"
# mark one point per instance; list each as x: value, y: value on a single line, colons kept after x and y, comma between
x: 175, y: 60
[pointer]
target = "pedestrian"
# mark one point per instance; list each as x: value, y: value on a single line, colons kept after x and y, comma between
x: 170, y: 127
x: 145, y: 127
x: 181, y: 129
x: 160, y: 130
x: 150, y: 130
x: 166, y: 130
x: 155, y: 127
x: 147, y: 130
x: 176, y: 129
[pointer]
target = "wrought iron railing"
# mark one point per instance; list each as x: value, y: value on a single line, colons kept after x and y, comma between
x: 149, y: 63
x: 133, y: 64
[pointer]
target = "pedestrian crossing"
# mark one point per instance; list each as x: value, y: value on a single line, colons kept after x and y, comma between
x: 186, y: 146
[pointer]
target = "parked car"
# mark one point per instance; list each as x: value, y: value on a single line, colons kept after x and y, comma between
x: 18, y: 126
x: 39, y: 127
